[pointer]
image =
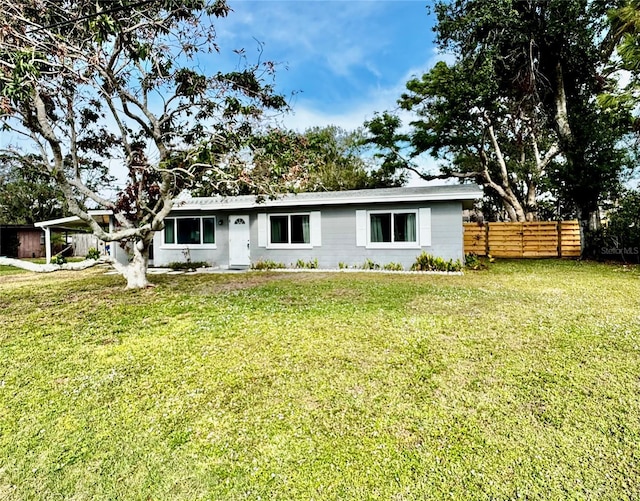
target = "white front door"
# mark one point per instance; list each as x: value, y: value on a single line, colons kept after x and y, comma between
x: 239, y: 242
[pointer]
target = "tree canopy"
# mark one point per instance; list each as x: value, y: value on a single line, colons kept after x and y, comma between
x: 119, y: 84
x: 320, y: 159
x: 27, y: 195
x: 518, y: 108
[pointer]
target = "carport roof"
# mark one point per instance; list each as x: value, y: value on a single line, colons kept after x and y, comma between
x: 74, y: 222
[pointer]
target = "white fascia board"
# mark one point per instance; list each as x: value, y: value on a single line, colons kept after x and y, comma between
x: 292, y: 201
x: 71, y: 219
x: 54, y: 222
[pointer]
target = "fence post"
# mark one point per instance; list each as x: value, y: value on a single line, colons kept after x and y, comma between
x: 487, y: 250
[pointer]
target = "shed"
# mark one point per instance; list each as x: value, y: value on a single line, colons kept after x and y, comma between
x: 21, y: 241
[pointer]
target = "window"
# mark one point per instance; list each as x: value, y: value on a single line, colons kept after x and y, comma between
x: 289, y: 229
x: 386, y: 229
x: 392, y: 227
x: 190, y: 231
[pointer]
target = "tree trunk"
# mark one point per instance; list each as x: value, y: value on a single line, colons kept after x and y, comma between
x: 513, y: 206
x: 590, y: 219
x: 136, y: 271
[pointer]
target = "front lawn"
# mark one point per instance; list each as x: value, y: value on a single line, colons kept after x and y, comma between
x: 9, y: 270
x: 520, y: 382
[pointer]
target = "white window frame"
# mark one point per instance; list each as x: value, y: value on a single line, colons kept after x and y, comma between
x: 363, y: 228
x: 392, y: 244
x: 271, y: 245
x: 201, y: 245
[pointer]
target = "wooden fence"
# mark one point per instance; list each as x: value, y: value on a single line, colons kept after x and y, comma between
x: 82, y: 242
x: 523, y: 240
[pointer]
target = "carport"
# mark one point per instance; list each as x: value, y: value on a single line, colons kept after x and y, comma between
x: 72, y: 224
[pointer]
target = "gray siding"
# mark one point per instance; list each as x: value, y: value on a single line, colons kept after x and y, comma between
x: 338, y: 226
x: 218, y: 257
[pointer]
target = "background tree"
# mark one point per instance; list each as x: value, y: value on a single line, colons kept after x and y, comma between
x: 27, y: 194
x: 624, y: 40
x: 119, y: 82
x: 478, y: 132
x: 530, y: 72
x: 321, y: 159
x: 318, y: 159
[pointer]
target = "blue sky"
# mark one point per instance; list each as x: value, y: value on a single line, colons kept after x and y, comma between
x: 344, y: 59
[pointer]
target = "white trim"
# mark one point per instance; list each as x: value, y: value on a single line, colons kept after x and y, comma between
x: 176, y: 245
x: 187, y: 246
x: 283, y: 245
x: 289, y: 246
x: 262, y: 230
x: 71, y: 219
x: 384, y: 195
x: 361, y: 228
x: 315, y: 228
x: 425, y: 226
x: 393, y: 245
x: 221, y: 204
x: 54, y: 222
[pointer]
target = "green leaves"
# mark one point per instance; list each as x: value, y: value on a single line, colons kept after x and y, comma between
x: 103, y: 84
x: 519, y: 100
x: 320, y: 159
x: 27, y: 195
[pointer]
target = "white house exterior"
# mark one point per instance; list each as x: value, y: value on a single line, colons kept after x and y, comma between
x: 391, y: 225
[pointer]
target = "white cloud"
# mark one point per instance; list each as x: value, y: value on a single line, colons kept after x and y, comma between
x: 336, y: 34
x: 354, y: 116
x: 378, y: 99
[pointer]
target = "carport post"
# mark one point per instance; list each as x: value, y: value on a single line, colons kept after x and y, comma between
x: 47, y: 243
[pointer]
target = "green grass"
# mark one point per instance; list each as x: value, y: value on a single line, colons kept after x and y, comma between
x: 10, y: 270
x: 519, y: 382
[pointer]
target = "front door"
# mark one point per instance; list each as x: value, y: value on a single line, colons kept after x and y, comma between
x: 239, y: 242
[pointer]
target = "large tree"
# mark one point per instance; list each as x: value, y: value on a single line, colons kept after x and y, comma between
x: 320, y: 159
x: 525, y: 80
x: 121, y: 83
x: 475, y: 130
x: 624, y: 40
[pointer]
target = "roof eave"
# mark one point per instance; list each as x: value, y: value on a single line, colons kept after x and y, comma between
x: 292, y: 201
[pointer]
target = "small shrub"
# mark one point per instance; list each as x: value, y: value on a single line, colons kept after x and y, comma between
x: 93, y: 253
x: 475, y: 262
x: 393, y: 267
x: 370, y: 265
x: 343, y: 266
x: 191, y: 265
x: 267, y: 265
x: 454, y: 266
x: 311, y: 265
x: 427, y: 262
x: 58, y: 259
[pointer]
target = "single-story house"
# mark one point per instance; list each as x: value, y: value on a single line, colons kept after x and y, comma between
x: 390, y: 225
